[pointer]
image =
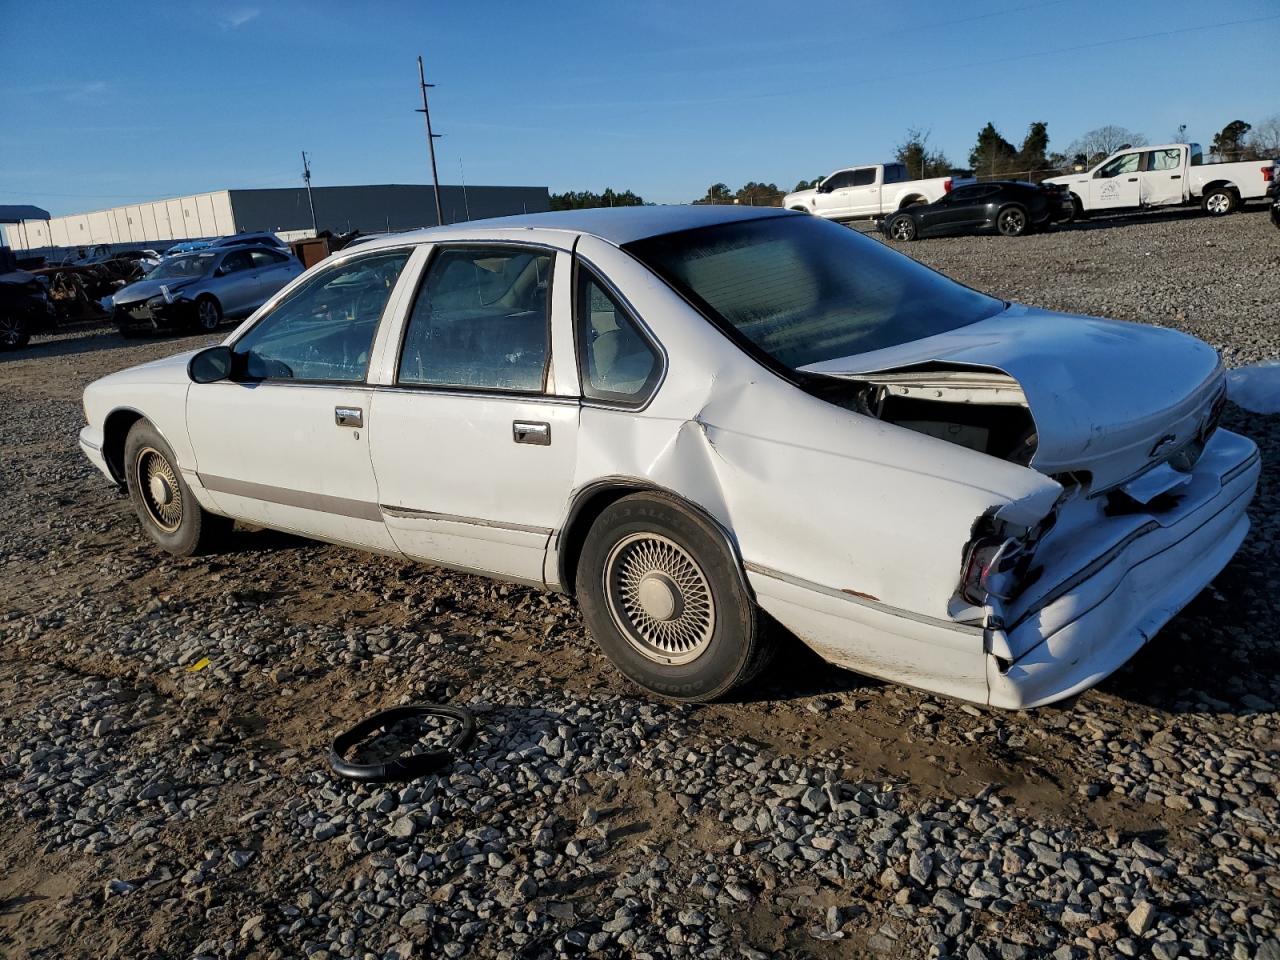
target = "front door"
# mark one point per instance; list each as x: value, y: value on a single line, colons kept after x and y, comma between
x: 286, y: 442
x: 474, y: 455
x: 1116, y: 184
x: 235, y: 284
x: 1161, y: 179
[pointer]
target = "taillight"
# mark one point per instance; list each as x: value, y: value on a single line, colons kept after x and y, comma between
x: 991, y: 569
x: 946, y: 185
x: 1268, y: 173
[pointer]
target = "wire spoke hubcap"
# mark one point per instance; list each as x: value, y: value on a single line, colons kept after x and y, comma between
x: 158, y: 487
x: 659, y: 598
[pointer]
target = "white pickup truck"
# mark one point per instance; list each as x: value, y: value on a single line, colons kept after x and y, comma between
x: 1170, y: 174
x: 871, y: 191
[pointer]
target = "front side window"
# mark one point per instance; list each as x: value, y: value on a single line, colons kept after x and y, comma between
x: 864, y: 177
x: 187, y: 265
x: 1164, y: 159
x: 480, y: 321
x: 838, y: 181
x: 1125, y: 163
x: 235, y: 262
x: 324, y: 329
x: 803, y: 290
x: 266, y: 258
x: 617, y: 364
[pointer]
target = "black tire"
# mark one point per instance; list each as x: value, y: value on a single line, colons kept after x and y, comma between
x: 15, y: 332
x: 801, y: 209
x: 1219, y: 201
x: 208, y: 315
x: 1013, y: 221
x: 1078, y: 210
x: 902, y: 228
x: 733, y: 643
x: 185, y: 531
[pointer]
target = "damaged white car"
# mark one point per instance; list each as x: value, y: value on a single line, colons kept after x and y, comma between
x: 694, y: 417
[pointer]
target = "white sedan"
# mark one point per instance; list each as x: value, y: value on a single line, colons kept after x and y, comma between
x: 704, y: 422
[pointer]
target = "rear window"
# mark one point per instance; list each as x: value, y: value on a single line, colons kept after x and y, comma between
x: 803, y: 290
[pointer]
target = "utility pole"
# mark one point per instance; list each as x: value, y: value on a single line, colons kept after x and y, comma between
x: 466, y: 204
x: 306, y: 178
x: 431, y: 139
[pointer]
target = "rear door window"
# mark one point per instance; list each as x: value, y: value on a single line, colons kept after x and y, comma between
x: 481, y: 321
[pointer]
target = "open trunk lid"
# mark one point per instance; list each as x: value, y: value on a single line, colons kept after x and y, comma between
x: 1109, y: 399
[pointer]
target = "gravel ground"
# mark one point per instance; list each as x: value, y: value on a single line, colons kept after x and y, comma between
x: 163, y: 722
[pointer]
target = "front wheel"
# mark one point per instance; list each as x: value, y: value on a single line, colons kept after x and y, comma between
x: 902, y: 228
x: 208, y: 314
x: 1218, y: 202
x: 165, y: 506
x: 1012, y: 221
x: 15, y: 332
x: 664, y: 597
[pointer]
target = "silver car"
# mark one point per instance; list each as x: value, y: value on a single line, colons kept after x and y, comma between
x: 197, y: 290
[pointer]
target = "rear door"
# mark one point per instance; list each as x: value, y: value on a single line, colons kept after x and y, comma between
x: 1162, y: 177
x: 864, y: 193
x: 473, y: 448
x: 271, y: 272
x: 1115, y: 184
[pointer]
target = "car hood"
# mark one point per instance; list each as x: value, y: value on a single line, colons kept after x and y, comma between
x: 146, y: 289
x: 1108, y: 397
x: 800, y: 196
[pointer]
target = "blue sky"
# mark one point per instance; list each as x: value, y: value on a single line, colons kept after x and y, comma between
x: 106, y: 103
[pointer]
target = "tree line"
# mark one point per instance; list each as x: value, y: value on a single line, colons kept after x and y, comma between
x: 992, y: 157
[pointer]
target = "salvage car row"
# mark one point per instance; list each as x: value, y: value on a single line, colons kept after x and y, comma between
x: 195, y: 284
x: 1148, y: 177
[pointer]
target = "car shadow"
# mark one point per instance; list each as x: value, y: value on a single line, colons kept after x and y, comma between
x: 1112, y: 221
x: 69, y: 342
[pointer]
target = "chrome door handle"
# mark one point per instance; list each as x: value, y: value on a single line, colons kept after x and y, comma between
x: 348, y: 416
x: 525, y: 431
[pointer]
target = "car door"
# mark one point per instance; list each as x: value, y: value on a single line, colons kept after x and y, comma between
x: 285, y: 443
x: 234, y: 283
x: 473, y: 450
x: 272, y: 271
x: 863, y: 195
x: 1115, y: 184
x: 1161, y: 178
x: 834, y: 197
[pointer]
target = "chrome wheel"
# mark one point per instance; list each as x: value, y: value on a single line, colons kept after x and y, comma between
x: 157, y: 485
x: 1218, y: 203
x: 902, y: 228
x: 1012, y: 222
x: 207, y: 315
x: 11, y: 330
x: 659, y: 598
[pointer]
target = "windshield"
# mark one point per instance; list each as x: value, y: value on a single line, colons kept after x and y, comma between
x: 196, y: 265
x: 804, y: 290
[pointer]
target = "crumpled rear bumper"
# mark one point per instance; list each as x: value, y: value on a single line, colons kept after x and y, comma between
x: 1091, y: 629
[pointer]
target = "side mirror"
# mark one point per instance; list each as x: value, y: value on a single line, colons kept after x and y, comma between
x: 219, y: 271
x: 210, y: 365
x: 822, y: 187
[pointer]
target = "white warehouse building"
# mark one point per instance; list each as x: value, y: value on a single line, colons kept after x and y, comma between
x: 284, y: 211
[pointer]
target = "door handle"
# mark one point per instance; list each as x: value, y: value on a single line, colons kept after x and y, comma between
x: 525, y: 431
x: 348, y: 416
x: 1175, y: 176
x: 1133, y: 179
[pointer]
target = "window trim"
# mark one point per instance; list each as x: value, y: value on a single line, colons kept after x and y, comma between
x: 437, y: 248
x: 654, y: 381
x: 269, y: 308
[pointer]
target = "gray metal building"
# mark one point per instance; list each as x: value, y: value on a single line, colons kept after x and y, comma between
x: 284, y: 211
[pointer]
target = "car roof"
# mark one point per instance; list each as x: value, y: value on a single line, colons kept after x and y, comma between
x: 616, y: 225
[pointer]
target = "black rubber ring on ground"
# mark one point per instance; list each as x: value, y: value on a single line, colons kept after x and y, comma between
x: 410, y: 765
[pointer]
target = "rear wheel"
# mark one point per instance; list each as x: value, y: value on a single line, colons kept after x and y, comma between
x: 1218, y: 202
x: 15, y: 332
x: 902, y: 228
x: 664, y: 597
x: 165, y: 506
x: 1012, y: 221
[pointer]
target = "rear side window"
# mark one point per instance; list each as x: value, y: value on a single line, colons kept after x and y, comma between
x: 616, y: 362
x: 864, y: 177
x: 480, y: 321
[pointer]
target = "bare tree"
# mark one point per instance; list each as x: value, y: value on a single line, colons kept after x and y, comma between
x: 1104, y: 141
x: 1264, y: 138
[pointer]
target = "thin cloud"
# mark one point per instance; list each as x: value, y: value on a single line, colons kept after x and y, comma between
x: 234, y: 19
